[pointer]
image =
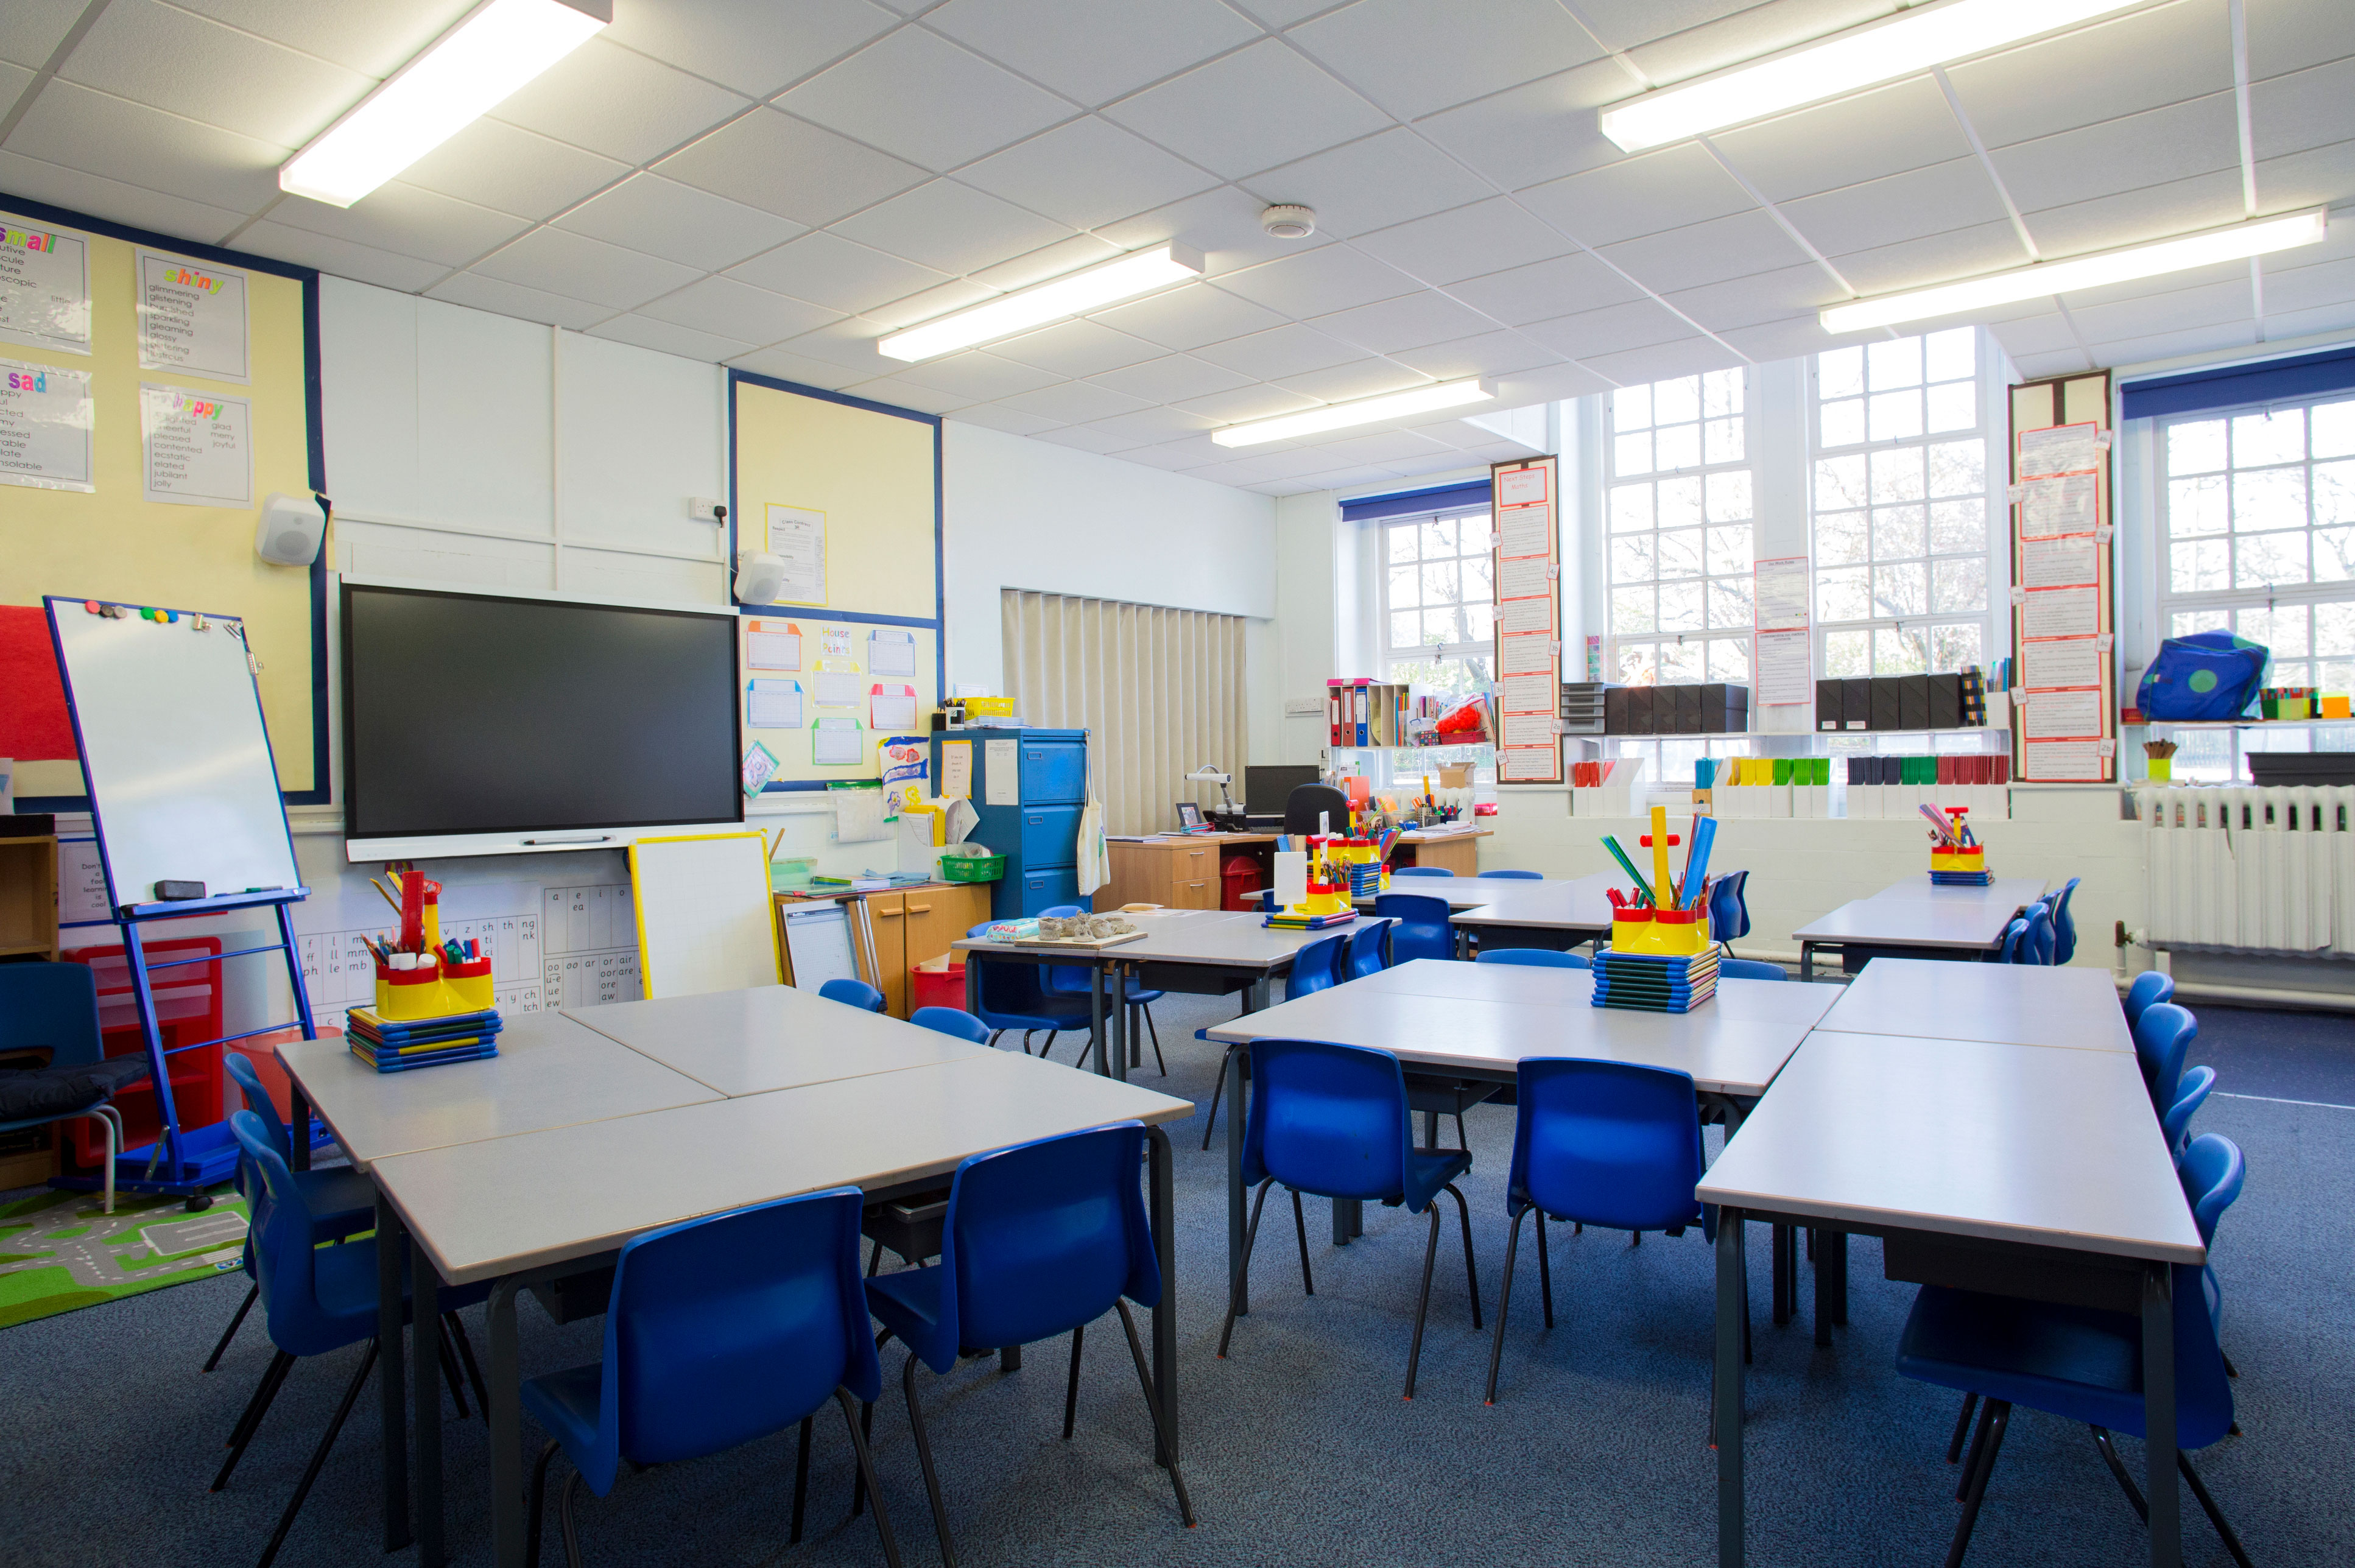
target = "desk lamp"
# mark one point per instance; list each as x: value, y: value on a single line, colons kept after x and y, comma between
x: 1228, y: 816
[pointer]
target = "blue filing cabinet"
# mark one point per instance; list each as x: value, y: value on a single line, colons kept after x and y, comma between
x: 1044, y: 773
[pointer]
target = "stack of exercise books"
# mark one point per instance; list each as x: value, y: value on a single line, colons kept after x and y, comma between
x: 396, y: 1045
x: 1653, y: 983
x: 1284, y: 920
x: 1979, y: 878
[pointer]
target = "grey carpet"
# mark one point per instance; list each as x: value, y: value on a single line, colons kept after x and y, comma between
x: 1299, y: 1449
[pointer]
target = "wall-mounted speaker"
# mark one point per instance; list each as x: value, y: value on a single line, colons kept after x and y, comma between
x: 291, y: 530
x: 759, y: 577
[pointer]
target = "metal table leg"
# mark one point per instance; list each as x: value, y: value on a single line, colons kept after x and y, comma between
x: 2158, y: 1416
x: 1162, y: 1210
x: 300, y: 1104
x: 1831, y: 1282
x: 1728, y: 1413
x: 1786, y: 1277
x: 1096, y: 1018
x: 1116, y: 1004
x: 1235, y: 1114
x: 1807, y: 961
x: 390, y: 1241
x: 425, y: 1383
x: 507, y: 1426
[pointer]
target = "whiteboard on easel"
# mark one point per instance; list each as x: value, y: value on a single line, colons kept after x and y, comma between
x: 173, y: 750
x: 703, y: 914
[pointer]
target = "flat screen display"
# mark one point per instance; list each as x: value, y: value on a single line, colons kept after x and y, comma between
x: 471, y: 713
x: 1266, y: 788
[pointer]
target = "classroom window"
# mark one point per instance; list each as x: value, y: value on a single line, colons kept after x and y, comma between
x: 1900, y: 513
x: 1680, y: 505
x: 1438, y: 609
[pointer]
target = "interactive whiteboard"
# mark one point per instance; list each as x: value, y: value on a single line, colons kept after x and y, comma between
x: 175, y: 750
x: 703, y: 914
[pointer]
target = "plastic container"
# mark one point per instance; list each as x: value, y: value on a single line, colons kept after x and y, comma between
x: 1238, y: 883
x: 972, y: 867
x: 937, y: 983
x: 792, y: 874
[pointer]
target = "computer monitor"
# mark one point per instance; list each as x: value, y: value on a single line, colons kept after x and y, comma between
x: 1265, y: 789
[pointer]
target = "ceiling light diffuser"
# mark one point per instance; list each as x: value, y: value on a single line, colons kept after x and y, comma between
x: 470, y: 69
x: 2043, y: 278
x: 1910, y: 41
x: 1076, y: 293
x: 1365, y: 411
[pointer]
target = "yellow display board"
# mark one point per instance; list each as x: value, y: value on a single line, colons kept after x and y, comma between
x: 848, y: 494
x: 112, y: 542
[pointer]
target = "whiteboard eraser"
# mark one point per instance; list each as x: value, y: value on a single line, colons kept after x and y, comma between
x: 176, y: 892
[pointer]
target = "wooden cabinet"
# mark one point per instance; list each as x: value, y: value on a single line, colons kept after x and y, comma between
x: 910, y: 924
x: 887, y: 913
x: 1177, y: 873
x: 28, y: 898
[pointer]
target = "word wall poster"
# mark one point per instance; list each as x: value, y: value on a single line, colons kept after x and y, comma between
x: 1527, y: 575
x: 2064, y: 713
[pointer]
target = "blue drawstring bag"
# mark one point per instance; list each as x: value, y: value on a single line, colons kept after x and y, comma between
x: 2208, y: 675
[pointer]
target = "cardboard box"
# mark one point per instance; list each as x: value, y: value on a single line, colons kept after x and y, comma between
x: 1456, y: 778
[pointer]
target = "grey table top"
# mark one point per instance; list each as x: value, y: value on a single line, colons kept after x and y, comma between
x: 1221, y: 938
x: 2015, y: 1004
x: 1732, y: 1045
x: 1912, y: 922
x: 1578, y: 905
x: 2010, y: 892
x: 766, y: 1038
x: 1470, y: 892
x: 574, y: 1191
x: 2008, y: 1143
x: 550, y: 1073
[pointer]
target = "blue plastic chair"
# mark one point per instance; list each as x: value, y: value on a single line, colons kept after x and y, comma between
x: 1365, y: 949
x: 315, y: 1299
x: 2080, y: 1364
x: 1518, y: 875
x: 951, y: 1020
x: 1041, y: 1239
x: 1728, y: 909
x: 2028, y: 939
x: 54, y: 1007
x: 1013, y: 996
x: 1332, y: 1121
x: 1072, y: 980
x: 2064, y: 928
x: 1534, y: 958
x: 1607, y: 1144
x: 719, y: 1331
x: 1398, y: 871
x: 2149, y: 988
x: 1750, y: 969
x: 1421, y: 931
x: 2162, y: 1040
x: 853, y: 994
x: 1313, y: 968
x: 2192, y: 1091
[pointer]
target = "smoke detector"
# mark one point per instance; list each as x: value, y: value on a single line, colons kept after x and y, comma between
x: 1288, y: 221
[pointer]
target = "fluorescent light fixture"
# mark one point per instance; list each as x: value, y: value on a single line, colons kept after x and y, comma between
x: 1910, y: 41
x: 500, y: 46
x: 1075, y: 293
x: 1365, y: 411
x: 2252, y: 238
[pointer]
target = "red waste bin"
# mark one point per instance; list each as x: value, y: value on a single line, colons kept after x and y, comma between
x: 1239, y: 874
x: 938, y: 983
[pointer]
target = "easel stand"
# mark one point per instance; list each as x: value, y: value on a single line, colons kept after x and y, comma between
x: 184, y: 1164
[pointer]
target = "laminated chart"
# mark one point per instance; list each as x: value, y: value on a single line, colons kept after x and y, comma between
x: 2064, y: 711
x: 1529, y: 622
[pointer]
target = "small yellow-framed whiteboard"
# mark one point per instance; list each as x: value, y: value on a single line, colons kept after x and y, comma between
x: 703, y: 914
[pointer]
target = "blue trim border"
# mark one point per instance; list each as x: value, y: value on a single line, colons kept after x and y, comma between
x: 315, y: 425
x: 2235, y: 386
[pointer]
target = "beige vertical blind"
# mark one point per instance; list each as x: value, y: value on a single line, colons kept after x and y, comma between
x: 1160, y: 692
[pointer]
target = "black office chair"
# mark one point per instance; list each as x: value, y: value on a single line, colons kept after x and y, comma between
x: 1307, y: 802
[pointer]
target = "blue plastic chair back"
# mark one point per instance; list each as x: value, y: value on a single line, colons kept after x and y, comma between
x: 1328, y: 1119
x: 283, y: 1241
x: 2064, y: 926
x: 853, y: 994
x: 2191, y: 1094
x: 1365, y: 941
x: 1605, y: 1143
x: 2213, y: 1171
x: 1518, y: 875
x: 2162, y: 1040
x: 2015, y: 941
x: 1533, y: 958
x: 258, y: 1100
x: 1728, y: 910
x: 2040, y: 942
x: 2149, y: 988
x: 1750, y: 969
x: 1315, y: 967
x: 51, y: 1006
x: 951, y: 1020
x: 1011, y: 995
x: 1421, y: 931
x: 1398, y: 871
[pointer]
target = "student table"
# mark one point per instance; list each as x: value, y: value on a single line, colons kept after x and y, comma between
x: 2011, y: 892
x: 1965, y: 928
x: 2011, y: 1004
x: 2043, y: 1174
x: 1469, y: 893
x: 1554, y: 915
x: 768, y: 1036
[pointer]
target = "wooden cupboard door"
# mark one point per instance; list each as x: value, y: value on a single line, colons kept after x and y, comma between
x: 930, y: 924
x: 958, y: 907
x: 889, y: 913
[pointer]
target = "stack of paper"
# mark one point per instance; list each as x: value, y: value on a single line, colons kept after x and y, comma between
x: 1283, y: 920
x: 1653, y: 983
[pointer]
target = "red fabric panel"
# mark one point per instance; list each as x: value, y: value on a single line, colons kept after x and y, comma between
x: 33, y: 722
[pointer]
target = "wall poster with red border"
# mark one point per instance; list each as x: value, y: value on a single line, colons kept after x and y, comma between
x: 1528, y: 573
x: 2065, y: 715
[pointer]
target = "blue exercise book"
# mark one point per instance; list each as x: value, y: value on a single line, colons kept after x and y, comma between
x: 1653, y: 983
x: 1962, y: 879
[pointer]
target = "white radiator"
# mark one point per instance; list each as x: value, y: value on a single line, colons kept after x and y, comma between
x: 2269, y: 871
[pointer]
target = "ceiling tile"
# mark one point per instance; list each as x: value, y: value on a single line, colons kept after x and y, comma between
x: 828, y: 270
x: 1933, y: 200
x: 1282, y: 13
x: 1170, y: 377
x: 1412, y: 57
x: 1087, y: 173
x: 1933, y: 259
x: 2204, y: 201
x: 849, y: 343
x: 1072, y: 402
x: 2318, y: 177
x: 926, y: 303
x: 14, y: 80
x: 374, y: 40
x: 1358, y: 379
x: 1280, y: 351
x: 1673, y: 39
x: 2060, y: 362
x: 1590, y: 333
x: 1247, y: 403
x: 783, y: 365
x: 2283, y: 325
x: 1657, y: 362
x: 1189, y: 317
x: 1076, y: 348
x: 742, y: 44
x: 1222, y: 223
x: 996, y: 416
x: 1536, y: 131
x: 1047, y: 261
x: 976, y: 376
x: 80, y: 129
x: 2327, y: 284
x: 166, y: 59
x: 1067, y: 44
x: 1795, y: 337
x: 2289, y: 34
x: 2205, y: 339
x: 793, y: 170
x: 679, y: 222
x: 2146, y: 57
x: 1649, y: 194
x: 1254, y: 109
x: 34, y: 180
x: 500, y: 166
x: 723, y: 307
x: 1313, y: 283
x: 1759, y: 298
x: 1487, y: 236
x: 1191, y: 451
x: 1410, y: 321
x: 1152, y: 425
x: 1848, y: 141
x: 2308, y: 108
x: 2175, y: 143
x: 1386, y: 446
x: 2043, y: 331
x: 341, y: 258
x: 580, y: 268
x: 1083, y: 438
x: 950, y: 226
x: 1489, y: 354
x: 1548, y: 384
x: 2167, y: 310
x: 517, y: 301
x: 915, y: 94
x: 617, y: 102
x: 900, y: 392
x: 31, y: 30
x: 1373, y: 183
x: 409, y: 220
x: 1708, y: 252
x: 669, y: 337
x: 1546, y: 290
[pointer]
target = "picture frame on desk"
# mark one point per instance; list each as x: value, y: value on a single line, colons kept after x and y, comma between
x: 1189, y: 815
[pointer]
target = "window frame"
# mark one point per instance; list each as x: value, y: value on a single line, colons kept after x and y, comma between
x: 1388, y: 655
x: 1750, y: 463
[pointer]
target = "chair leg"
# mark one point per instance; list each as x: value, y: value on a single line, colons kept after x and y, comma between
x: 1462, y: 1142
x: 1300, y: 1229
x: 1423, y: 1301
x: 1545, y: 1271
x: 319, y: 1456
x: 467, y: 1359
x: 255, y: 1409
x: 564, y: 1520
x: 1963, y: 1427
x: 1971, y: 1458
x: 1250, y: 1238
x: 252, y: 1293
x: 1998, y: 1417
x: 538, y: 1505
x: 2230, y: 1369
x: 801, y: 1481
x: 1154, y: 1035
x: 875, y: 1260
x: 1505, y: 1295
x: 2118, y: 1470
x: 1217, y: 1089
x: 924, y: 1459
x: 1471, y: 1269
x: 1071, y: 1390
x: 867, y: 1478
x: 2215, y: 1515
x: 1153, y: 1407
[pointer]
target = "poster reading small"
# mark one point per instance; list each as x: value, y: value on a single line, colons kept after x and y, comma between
x: 44, y: 286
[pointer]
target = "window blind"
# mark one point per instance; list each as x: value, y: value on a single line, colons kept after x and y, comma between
x: 1408, y: 503
x: 2231, y: 386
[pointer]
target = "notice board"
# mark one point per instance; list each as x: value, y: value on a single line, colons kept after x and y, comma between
x: 1528, y: 573
x: 2064, y: 714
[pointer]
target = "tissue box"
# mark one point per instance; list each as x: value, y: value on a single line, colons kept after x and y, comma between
x: 1013, y: 930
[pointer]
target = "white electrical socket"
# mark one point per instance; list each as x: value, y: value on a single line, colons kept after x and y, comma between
x: 703, y: 509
